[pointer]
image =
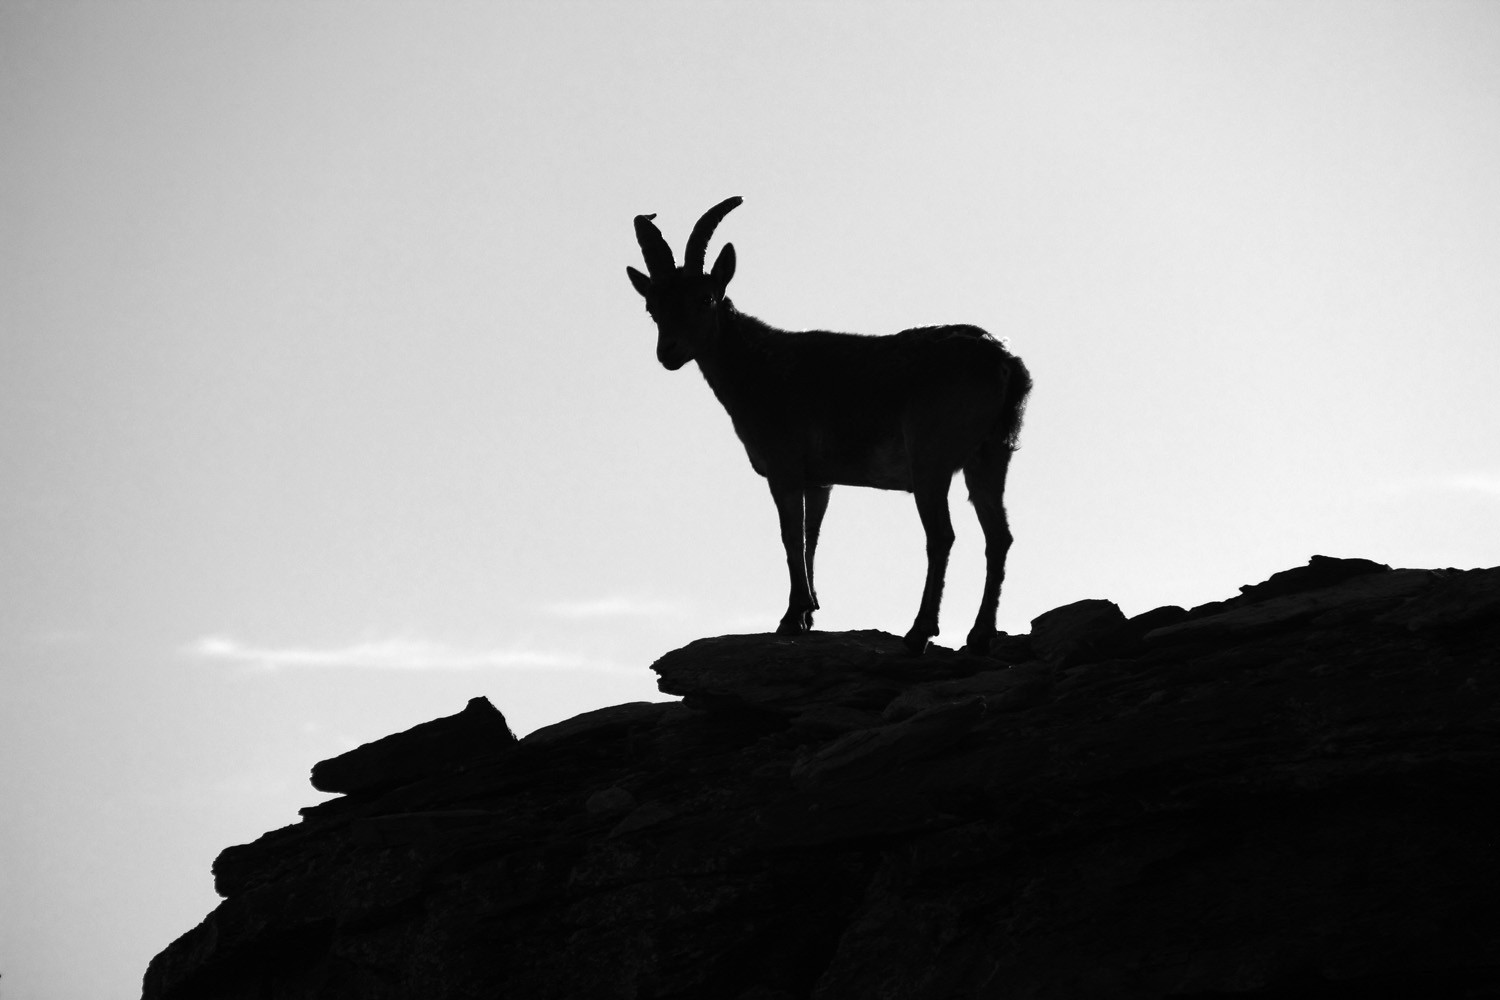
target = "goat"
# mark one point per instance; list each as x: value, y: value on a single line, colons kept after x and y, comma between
x: 818, y: 409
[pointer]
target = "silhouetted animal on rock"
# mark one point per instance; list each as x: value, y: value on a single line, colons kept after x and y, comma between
x: 818, y: 409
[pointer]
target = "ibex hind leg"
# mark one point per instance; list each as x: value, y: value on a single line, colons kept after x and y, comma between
x: 932, y: 506
x: 985, y: 478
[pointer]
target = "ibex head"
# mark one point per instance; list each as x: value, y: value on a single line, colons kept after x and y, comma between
x: 683, y: 301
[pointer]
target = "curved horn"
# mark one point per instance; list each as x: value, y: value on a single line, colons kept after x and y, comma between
x: 697, y: 244
x: 653, y: 247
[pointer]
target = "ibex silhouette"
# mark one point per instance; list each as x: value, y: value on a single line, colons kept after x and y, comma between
x: 818, y: 409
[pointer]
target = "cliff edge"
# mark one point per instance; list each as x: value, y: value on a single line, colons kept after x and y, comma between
x: 1286, y: 794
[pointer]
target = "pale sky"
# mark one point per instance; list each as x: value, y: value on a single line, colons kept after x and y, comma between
x: 327, y: 404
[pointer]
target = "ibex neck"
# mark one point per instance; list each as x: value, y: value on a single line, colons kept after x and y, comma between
x: 739, y: 357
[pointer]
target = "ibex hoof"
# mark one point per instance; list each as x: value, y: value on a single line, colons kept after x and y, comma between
x: 916, y: 641
x: 795, y: 623
x: 978, y: 643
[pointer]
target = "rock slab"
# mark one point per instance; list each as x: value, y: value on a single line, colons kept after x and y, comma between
x: 431, y: 746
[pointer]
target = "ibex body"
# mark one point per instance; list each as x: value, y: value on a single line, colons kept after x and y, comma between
x: 818, y: 409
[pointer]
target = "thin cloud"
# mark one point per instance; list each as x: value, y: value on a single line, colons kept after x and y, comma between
x: 60, y: 637
x: 1486, y: 484
x: 1475, y: 482
x: 388, y: 654
x: 616, y: 607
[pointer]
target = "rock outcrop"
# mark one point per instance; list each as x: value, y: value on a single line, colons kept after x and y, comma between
x: 1286, y: 794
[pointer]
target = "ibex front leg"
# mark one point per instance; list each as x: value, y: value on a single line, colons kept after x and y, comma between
x: 800, y: 604
x: 816, y: 500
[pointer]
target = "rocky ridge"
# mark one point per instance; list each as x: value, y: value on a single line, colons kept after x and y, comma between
x: 1280, y: 795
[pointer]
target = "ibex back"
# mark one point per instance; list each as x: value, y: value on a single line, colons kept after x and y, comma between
x: 817, y: 409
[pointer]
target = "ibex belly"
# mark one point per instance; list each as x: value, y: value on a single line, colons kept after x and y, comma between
x: 881, y: 463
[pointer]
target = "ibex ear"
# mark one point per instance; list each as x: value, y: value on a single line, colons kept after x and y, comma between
x: 724, y: 268
x: 640, y: 281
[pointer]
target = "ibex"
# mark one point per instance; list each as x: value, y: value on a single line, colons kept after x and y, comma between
x: 819, y: 409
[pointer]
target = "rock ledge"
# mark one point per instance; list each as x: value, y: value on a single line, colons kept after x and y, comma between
x: 1279, y: 795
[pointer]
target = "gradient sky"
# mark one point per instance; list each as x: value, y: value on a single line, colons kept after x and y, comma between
x: 327, y: 405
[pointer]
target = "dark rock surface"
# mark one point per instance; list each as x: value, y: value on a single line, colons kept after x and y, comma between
x: 1287, y: 794
x: 418, y: 752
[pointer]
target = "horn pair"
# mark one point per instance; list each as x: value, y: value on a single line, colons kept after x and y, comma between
x: 658, y: 255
